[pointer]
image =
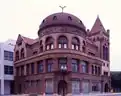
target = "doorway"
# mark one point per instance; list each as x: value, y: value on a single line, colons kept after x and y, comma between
x: 62, y: 87
x: 106, y: 87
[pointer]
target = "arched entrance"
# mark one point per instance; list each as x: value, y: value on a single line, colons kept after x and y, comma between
x: 106, y: 87
x: 62, y: 87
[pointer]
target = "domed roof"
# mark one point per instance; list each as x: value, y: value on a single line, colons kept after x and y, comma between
x: 62, y: 18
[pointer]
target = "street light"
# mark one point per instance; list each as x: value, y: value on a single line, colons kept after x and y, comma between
x: 63, y: 69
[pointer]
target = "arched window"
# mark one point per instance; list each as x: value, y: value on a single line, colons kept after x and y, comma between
x: 17, y: 55
x: 105, y: 53
x: 75, y: 43
x: 49, y: 43
x: 62, y: 42
x: 22, y: 53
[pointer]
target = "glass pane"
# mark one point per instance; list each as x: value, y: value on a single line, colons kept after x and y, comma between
x: 65, y: 45
x: 60, y: 46
x: 72, y: 46
x: 48, y: 47
x: 77, y: 47
x: 52, y: 46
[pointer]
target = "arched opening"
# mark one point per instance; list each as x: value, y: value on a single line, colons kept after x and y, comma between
x: 62, y: 42
x: 62, y: 87
x: 75, y: 43
x: 106, y: 87
x: 49, y: 43
x: 17, y: 55
x: 22, y: 53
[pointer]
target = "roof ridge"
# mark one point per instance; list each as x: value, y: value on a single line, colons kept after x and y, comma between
x: 97, y: 26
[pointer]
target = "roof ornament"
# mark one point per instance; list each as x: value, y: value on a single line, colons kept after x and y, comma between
x: 62, y: 7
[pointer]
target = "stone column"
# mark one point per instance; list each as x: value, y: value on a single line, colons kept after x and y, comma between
x: 44, y: 66
x: 29, y: 69
x: 90, y: 86
x: 55, y: 64
x: 25, y: 73
x: 69, y: 84
x: 35, y: 67
x: 89, y: 68
x: 43, y: 86
x: 55, y: 43
x: 55, y: 85
x: 69, y: 67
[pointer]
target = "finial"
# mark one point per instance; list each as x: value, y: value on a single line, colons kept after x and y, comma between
x: 62, y: 7
x: 97, y: 15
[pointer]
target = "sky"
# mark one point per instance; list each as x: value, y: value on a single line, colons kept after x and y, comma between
x: 24, y: 17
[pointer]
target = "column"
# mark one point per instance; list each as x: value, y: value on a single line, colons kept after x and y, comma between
x: 89, y: 68
x: 2, y: 86
x: 44, y: 66
x: 69, y: 64
x: 69, y: 89
x: 25, y: 70
x: 90, y: 86
x: 35, y: 68
x: 55, y: 85
x: 55, y: 64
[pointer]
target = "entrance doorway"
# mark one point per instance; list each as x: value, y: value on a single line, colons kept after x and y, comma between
x: 62, y: 87
x: 106, y: 87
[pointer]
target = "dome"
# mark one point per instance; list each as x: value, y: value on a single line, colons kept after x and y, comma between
x: 62, y: 18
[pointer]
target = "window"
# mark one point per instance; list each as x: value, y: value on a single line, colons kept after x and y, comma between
x: 55, y: 18
x: 49, y: 43
x: 85, y: 87
x: 62, y: 61
x: 17, y: 55
x: 92, y: 69
x: 99, y: 70
x: 105, y: 73
x: 49, y: 86
x: 8, y: 55
x: 40, y: 67
x: 75, y: 43
x: 69, y: 18
x: 22, y: 70
x: 95, y: 87
x: 75, y: 65
x: 27, y: 68
x: 17, y: 71
x: 84, y: 67
x: 105, y: 53
x: 75, y: 87
x: 8, y: 70
x: 32, y: 68
x: 22, y: 53
x: 95, y: 70
x: 62, y: 42
x: 49, y: 65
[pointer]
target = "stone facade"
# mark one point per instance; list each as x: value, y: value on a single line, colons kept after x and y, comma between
x: 63, y: 42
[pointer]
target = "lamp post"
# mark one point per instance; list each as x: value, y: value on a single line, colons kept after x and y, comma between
x: 63, y: 69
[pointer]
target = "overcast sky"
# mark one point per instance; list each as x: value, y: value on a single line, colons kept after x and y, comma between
x: 24, y: 17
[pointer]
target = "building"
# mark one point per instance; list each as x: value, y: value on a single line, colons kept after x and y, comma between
x: 116, y: 81
x: 64, y: 59
x: 6, y: 67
